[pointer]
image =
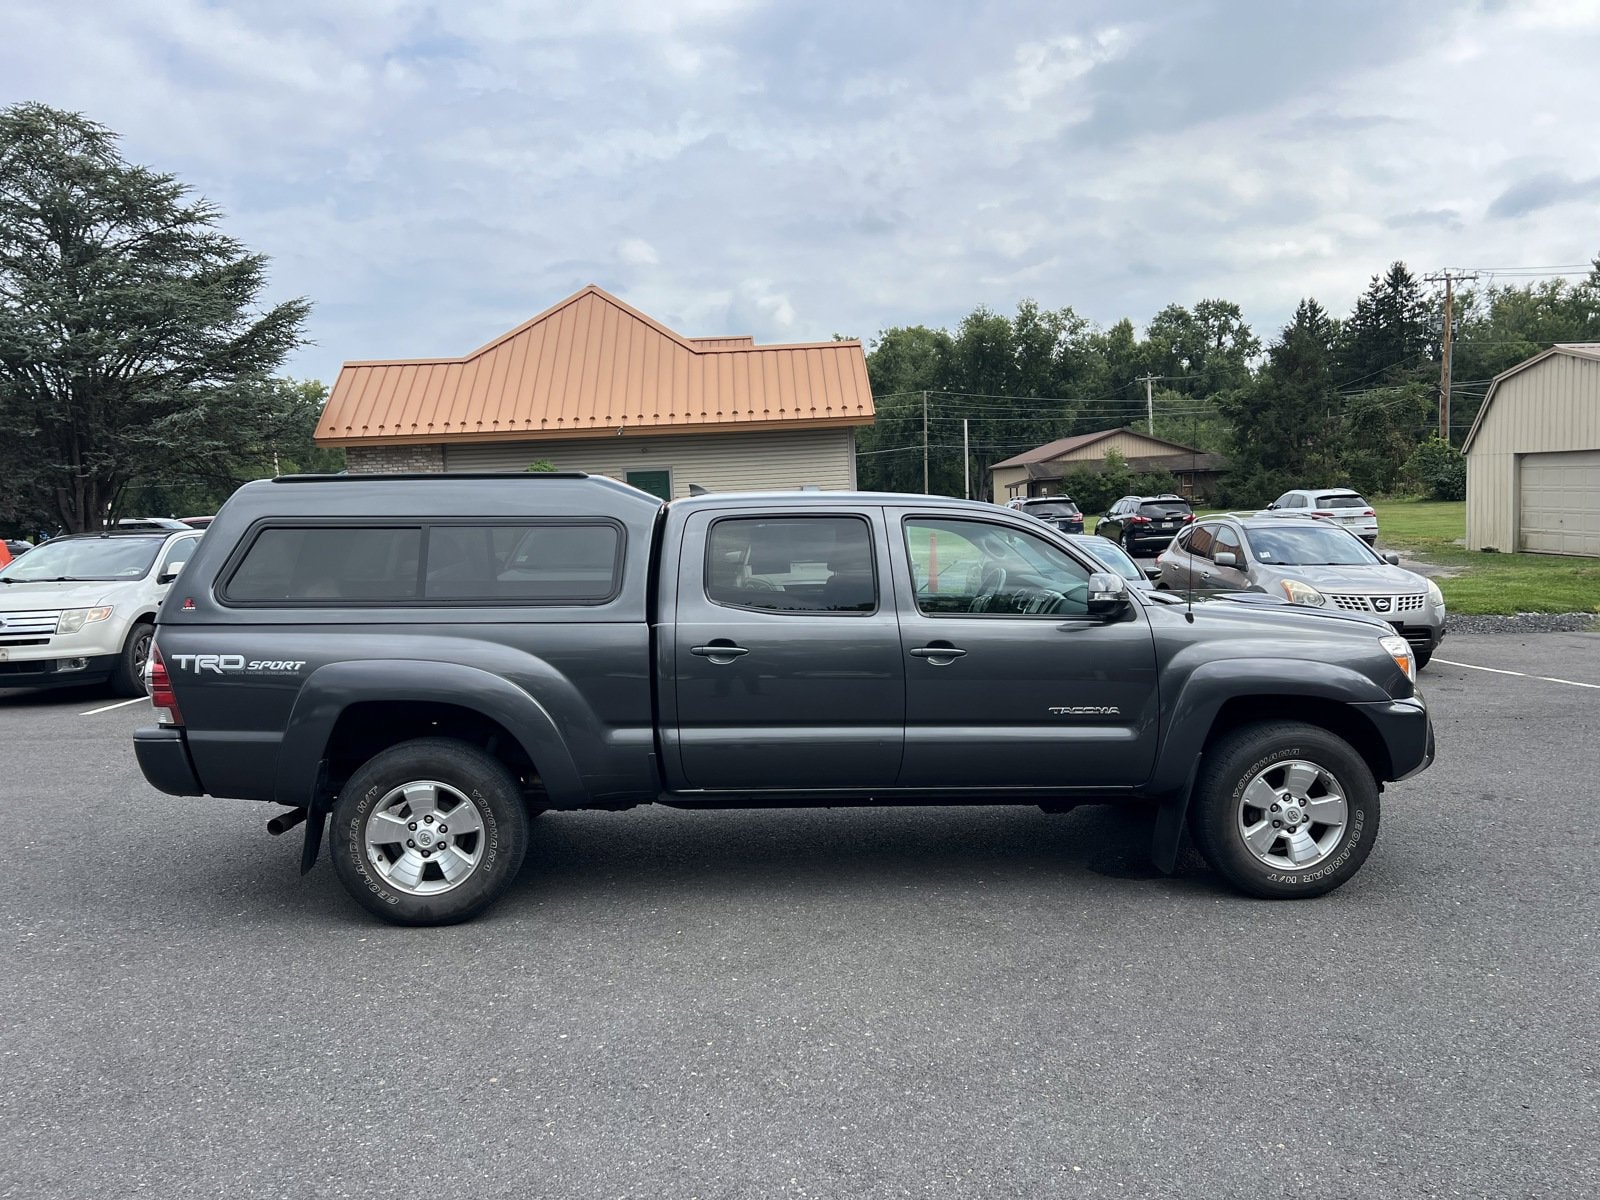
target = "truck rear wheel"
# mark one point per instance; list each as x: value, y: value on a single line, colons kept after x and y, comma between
x: 1284, y: 809
x: 429, y: 832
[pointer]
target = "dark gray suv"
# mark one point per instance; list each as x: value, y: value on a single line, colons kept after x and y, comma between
x: 1145, y: 523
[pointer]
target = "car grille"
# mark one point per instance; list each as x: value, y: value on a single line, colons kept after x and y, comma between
x: 28, y: 628
x: 1379, y: 604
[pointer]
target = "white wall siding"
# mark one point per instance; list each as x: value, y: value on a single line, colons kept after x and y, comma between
x: 723, y: 462
x: 1551, y: 407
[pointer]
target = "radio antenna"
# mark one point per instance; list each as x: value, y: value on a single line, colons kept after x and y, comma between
x: 1188, y: 612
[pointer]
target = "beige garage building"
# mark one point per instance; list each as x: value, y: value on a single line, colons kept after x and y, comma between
x: 1533, y: 456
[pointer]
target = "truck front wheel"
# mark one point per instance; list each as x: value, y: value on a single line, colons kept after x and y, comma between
x: 1284, y: 809
x: 429, y: 832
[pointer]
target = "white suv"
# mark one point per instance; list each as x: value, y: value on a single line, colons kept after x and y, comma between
x: 1337, y: 506
x: 81, y: 609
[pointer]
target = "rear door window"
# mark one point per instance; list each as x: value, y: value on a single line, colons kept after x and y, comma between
x: 792, y: 564
x: 1200, y: 541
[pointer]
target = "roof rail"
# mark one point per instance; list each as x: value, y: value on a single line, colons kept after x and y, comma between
x: 424, y: 475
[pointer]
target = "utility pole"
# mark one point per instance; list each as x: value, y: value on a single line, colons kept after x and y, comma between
x: 1448, y: 278
x: 966, y: 464
x: 1149, y: 406
x: 924, y: 442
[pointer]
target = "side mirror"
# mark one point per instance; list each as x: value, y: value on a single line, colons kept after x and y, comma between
x: 1390, y: 557
x: 1108, y: 594
x: 1226, y: 558
x: 171, y: 572
x: 1273, y: 506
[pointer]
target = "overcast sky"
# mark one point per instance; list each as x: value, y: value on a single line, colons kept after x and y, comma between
x: 433, y: 174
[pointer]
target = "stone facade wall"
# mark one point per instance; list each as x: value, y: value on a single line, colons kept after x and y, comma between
x: 425, y: 459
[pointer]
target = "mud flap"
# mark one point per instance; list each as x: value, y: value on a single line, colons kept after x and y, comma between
x: 1168, y: 837
x: 316, y: 820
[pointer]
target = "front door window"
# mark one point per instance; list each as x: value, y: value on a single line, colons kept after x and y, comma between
x: 973, y: 568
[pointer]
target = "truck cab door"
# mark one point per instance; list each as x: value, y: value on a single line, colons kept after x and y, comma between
x: 785, y: 664
x: 1010, y: 683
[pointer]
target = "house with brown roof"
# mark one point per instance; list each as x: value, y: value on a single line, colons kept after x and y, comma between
x: 1038, y: 472
x: 594, y: 385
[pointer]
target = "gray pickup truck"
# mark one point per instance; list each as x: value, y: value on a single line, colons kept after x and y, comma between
x: 434, y: 660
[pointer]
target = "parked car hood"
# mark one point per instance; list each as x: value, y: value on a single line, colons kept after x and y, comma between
x: 1379, y: 577
x: 92, y: 593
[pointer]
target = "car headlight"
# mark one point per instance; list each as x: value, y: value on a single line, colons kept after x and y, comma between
x: 1303, y: 593
x: 75, y: 619
x: 1400, y: 650
x: 1435, y: 595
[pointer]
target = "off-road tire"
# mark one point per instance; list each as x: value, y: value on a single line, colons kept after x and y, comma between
x: 1229, y: 767
x: 128, y: 678
x: 482, y: 779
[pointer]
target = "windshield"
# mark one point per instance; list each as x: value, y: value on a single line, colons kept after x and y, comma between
x: 1052, y: 508
x: 1317, y: 547
x: 1343, y: 500
x: 85, y: 558
x: 1112, y: 555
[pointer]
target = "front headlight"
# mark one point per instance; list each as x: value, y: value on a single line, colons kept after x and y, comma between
x: 1435, y: 595
x: 1303, y: 593
x: 75, y: 619
x: 1400, y: 650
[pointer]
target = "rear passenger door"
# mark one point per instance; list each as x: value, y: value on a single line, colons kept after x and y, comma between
x: 785, y: 662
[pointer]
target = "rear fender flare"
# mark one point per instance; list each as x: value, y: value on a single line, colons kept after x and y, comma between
x: 329, y: 690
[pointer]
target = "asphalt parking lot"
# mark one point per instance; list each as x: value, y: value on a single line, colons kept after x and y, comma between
x: 917, y: 1002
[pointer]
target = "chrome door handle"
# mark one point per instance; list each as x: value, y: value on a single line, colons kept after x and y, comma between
x: 726, y: 652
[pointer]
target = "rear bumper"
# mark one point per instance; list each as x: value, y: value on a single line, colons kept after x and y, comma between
x: 66, y: 671
x: 1407, y: 734
x: 163, y: 755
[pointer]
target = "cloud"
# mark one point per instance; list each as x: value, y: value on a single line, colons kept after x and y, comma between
x: 1426, y: 218
x: 1544, y: 190
x: 636, y: 252
x: 431, y: 175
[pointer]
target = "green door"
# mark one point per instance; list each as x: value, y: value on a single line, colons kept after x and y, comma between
x: 657, y: 483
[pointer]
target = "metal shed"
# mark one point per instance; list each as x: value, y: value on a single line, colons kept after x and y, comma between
x: 1533, y: 456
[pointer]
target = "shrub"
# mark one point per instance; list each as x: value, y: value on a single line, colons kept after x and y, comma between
x: 1438, y: 469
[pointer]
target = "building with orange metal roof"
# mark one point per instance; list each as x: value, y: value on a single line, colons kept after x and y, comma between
x: 594, y: 385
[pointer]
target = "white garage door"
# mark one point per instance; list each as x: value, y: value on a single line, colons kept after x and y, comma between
x: 1561, y: 502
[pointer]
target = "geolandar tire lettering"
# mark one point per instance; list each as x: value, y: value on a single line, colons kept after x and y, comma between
x: 1284, y: 809
x: 429, y: 832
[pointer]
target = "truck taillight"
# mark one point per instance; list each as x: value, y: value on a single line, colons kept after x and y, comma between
x: 159, y: 684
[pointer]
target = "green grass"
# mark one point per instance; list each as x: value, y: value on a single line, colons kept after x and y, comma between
x: 1431, y: 531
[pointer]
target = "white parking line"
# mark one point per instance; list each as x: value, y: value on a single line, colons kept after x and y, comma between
x: 109, y: 707
x: 1523, y: 674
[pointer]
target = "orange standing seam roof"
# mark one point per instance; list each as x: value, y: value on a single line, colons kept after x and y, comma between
x: 593, y: 365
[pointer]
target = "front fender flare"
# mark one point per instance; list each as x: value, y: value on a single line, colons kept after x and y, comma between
x: 1193, y: 713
